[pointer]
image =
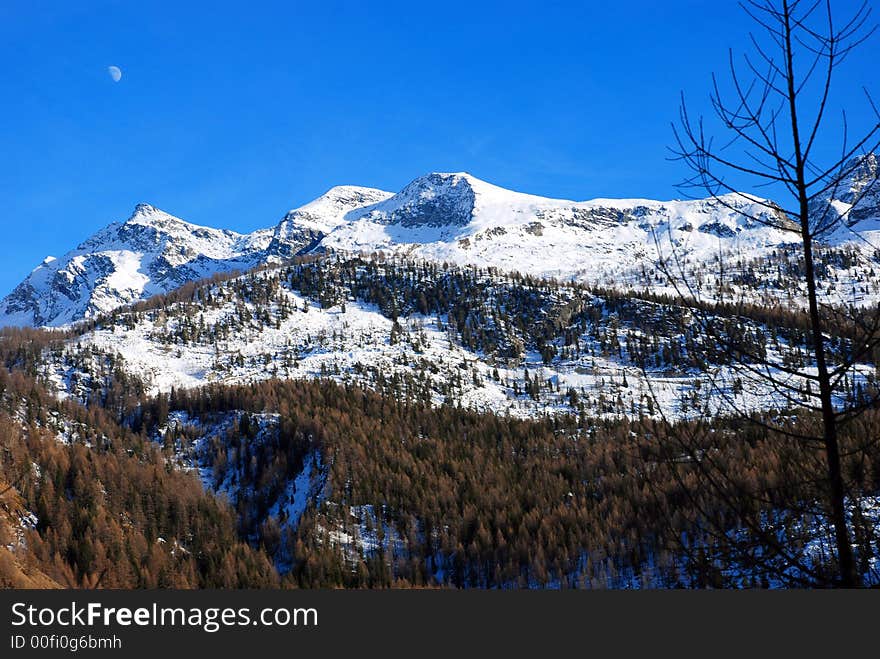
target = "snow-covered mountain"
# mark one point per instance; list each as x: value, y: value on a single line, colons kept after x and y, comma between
x: 303, y: 228
x: 863, y: 186
x: 461, y: 219
x: 452, y: 217
x: 153, y: 252
x: 857, y: 202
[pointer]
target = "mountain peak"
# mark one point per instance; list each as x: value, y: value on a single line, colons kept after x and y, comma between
x: 442, y: 216
x: 869, y: 159
x: 487, y: 193
x: 447, y: 175
x: 339, y: 200
x: 303, y: 228
x: 443, y: 179
x: 864, y: 171
x: 432, y: 200
x: 857, y: 197
x: 148, y: 215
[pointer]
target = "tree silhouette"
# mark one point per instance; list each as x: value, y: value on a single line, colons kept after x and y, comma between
x: 772, y: 111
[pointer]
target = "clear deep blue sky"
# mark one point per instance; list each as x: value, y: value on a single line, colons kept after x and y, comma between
x: 230, y: 113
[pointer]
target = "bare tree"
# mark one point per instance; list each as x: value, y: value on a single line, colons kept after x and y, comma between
x: 772, y: 111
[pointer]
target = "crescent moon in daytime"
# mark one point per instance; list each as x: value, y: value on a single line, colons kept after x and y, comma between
x: 115, y: 73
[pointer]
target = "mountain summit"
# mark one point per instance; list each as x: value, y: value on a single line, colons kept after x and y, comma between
x: 151, y: 252
x: 453, y: 217
x: 301, y: 229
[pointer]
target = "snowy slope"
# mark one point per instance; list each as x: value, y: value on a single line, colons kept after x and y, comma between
x: 264, y: 326
x: 461, y: 219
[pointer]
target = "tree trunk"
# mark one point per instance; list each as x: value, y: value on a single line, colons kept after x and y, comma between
x: 836, y: 499
x: 848, y: 575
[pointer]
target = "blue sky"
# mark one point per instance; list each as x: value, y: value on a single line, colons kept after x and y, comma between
x: 228, y: 114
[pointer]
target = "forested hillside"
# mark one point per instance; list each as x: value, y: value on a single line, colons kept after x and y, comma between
x: 334, y: 485
x: 441, y: 334
x: 101, y: 508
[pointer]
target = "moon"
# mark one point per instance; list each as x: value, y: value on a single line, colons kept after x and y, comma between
x: 115, y: 73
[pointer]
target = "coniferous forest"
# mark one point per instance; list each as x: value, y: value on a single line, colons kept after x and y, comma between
x: 325, y: 483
